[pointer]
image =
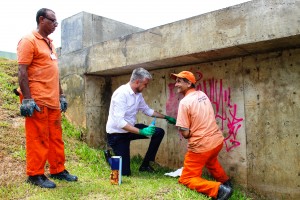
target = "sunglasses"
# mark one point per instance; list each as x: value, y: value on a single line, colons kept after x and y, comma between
x: 52, y: 20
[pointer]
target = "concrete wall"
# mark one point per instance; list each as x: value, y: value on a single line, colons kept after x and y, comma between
x: 257, y: 104
x: 272, y: 105
x: 254, y: 27
x: 86, y: 93
x: 246, y: 59
x: 84, y: 30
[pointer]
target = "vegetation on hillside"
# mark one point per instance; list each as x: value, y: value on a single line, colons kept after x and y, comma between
x: 87, y: 163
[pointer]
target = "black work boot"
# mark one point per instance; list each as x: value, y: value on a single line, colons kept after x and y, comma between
x: 41, y: 180
x: 146, y: 169
x: 107, y: 155
x: 224, y: 192
x: 64, y: 175
x: 228, y: 183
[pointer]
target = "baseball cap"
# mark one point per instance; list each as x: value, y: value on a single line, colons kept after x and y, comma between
x: 185, y: 74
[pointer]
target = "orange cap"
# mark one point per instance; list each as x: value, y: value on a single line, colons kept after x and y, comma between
x: 185, y: 74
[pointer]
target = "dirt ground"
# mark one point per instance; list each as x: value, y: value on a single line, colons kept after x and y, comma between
x: 12, y: 139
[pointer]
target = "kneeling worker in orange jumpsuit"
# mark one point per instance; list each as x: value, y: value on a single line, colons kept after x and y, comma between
x: 196, y: 122
x: 42, y: 103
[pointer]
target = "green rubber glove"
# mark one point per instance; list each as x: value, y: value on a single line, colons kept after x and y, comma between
x: 148, y: 131
x: 170, y: 120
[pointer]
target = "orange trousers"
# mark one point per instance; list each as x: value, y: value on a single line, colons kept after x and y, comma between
x: 44, y: 142
x: 192, y: 171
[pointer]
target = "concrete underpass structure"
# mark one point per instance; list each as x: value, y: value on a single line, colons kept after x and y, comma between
x: 246, y: 59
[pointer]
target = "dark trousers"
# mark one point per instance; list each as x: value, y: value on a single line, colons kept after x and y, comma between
x: 120, y: 143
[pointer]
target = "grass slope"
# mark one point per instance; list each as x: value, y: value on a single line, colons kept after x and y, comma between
x: 87, y: 163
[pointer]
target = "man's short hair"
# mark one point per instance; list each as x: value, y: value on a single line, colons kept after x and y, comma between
x: 42, y: 12
x: 187, y: 81
x: 140, y: 74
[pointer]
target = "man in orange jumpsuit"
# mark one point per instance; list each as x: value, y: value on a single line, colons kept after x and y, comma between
x: 196, y: 122
x: 42, y: 103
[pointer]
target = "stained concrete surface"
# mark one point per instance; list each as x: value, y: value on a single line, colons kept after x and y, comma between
x: 246, y: 59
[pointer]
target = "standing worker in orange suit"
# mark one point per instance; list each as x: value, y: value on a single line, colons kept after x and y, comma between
x: 42, y: 103
x: 196, y: 122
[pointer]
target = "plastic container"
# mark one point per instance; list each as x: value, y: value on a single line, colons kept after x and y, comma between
x: 153, y: 122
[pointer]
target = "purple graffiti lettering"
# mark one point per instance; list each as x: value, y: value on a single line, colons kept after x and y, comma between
x: 230, y: 140
x: 225, y: 110
x: 172, y: 102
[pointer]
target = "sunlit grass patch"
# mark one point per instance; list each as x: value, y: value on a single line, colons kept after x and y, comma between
x: 70, y: 130
x: 21, y: 153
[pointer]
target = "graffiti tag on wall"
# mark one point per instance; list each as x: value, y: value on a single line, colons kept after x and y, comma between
x: 225, y: 110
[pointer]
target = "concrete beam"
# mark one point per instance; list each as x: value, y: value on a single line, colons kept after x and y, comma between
x: 85, y: 29
x: 253, y: 27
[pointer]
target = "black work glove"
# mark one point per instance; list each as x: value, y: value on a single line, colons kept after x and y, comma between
x: 28, y: 106
x: 63, y: 103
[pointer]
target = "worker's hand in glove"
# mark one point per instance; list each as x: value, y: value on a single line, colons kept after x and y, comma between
x: 170, y: 120
x: 63, y: 103
x: 28, y: 106
x: 148, y: 131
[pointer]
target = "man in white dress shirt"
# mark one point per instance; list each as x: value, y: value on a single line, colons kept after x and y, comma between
x: 121, y: 125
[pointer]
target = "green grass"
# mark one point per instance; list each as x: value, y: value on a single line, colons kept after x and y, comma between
x: 21, y: 153
x: 94, y: 182
x: 85, y: 162
x: 4, y: 124
x: 8, y: 81
x: 71, y: 131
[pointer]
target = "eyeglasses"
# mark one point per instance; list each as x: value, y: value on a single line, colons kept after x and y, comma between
x: 52, y: 20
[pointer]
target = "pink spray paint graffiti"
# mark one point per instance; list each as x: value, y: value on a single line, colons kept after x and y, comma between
x: 172, y: 109
x: 226, y: 111
x: 172, y: 102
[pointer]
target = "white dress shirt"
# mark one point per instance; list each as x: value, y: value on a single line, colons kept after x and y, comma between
x: 124, y: 106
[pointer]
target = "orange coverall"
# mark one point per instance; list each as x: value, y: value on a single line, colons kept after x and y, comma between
x: 43, y: 129
x: 196, y: 114
x: 193, y: 166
